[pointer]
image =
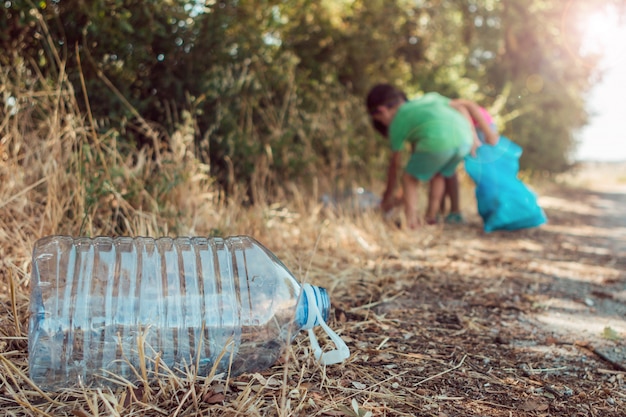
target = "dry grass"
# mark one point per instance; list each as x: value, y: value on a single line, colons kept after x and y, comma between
x: 438, y: 321
x: 57, y: 176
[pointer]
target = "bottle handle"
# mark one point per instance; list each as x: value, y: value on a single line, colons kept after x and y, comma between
x: 325, y: 358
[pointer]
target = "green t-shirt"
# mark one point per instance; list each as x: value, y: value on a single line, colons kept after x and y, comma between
x: 431, y: 124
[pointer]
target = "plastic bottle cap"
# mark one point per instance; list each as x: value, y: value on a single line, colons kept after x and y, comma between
x: 314, y: 317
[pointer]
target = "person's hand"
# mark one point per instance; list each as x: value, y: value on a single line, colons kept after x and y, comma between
x: 473, y: 150
x: 390, y: 202
x: 492, y: 137
x: 386, y: 205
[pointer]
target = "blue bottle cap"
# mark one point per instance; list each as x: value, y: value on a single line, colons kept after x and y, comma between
x: 317, y: 306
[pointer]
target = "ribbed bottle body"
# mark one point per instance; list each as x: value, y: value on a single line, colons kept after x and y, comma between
x: 107, y: 308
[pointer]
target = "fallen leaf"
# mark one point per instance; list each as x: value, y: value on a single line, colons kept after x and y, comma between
x: 532, y: 405
x: 358, y: 385
x: 213, y: 397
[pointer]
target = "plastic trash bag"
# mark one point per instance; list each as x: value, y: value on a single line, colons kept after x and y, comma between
x: 504, y: 202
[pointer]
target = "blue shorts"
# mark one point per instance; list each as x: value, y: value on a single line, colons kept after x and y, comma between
x: 424, y: 165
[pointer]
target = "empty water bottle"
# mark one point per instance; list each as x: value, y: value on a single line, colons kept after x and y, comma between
x: 117, y: 309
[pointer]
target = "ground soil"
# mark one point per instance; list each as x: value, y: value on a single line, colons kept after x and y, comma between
x: 446, y: 321
x: 526, y: 323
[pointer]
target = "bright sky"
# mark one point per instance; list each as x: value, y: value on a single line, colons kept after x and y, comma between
x: 605, y: 137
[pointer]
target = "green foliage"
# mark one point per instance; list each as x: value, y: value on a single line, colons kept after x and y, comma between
x: 610, y: 334
x: 274, y: 88
x: 547, y: 80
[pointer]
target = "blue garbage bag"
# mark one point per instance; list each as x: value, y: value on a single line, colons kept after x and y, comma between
x: 504, y: 201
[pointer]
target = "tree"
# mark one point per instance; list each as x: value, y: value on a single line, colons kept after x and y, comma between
x: 526, y: 57
x: 275, y: 87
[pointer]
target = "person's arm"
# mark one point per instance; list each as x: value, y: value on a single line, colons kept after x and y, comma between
x: 388, y: 201
x: 465, y: 112
x: 468, y: 107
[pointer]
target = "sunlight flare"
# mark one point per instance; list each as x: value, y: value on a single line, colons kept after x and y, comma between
x: 603, y: 33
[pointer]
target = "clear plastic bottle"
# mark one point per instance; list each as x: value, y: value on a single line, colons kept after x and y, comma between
x: 105, y: 309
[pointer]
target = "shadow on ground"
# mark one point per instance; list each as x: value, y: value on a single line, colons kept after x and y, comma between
x: 531, y: 322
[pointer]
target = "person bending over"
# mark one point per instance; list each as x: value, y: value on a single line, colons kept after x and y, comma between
x: 438, y: 131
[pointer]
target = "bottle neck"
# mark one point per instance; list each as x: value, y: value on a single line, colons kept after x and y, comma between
x: 313, y: 298
x: 315, y: 305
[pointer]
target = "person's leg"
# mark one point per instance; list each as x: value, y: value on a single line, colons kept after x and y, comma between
x: 452, y: 187
x: 452, y: 191
x: 410, y: 186
x: 447, y: 195
x: 437, y: 190
x: 422, y: 167
x: 449, y: 172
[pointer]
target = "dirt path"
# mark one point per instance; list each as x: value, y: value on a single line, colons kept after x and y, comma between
x: 445, y: 321
x: 525, y: 323
x: 587, y: 301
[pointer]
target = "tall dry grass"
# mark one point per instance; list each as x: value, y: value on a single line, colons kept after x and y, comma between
x: 62, y: 173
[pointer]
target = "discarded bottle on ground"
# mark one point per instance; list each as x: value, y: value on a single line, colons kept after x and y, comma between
x: 108, y: 310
